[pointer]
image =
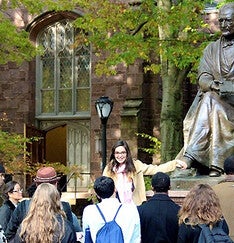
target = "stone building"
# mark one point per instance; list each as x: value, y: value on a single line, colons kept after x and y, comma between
x: 53, y: 96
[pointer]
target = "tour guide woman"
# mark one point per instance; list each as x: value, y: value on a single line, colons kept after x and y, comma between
x: 128, y: 173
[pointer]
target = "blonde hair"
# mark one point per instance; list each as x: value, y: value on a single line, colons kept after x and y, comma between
x: 41, y: 222
x: 201, y: 206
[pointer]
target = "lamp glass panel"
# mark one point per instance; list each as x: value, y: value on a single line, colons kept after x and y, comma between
x: 106, y: 109
x: 99, y: 109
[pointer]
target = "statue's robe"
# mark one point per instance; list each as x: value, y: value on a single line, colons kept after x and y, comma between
x: 209, y: 123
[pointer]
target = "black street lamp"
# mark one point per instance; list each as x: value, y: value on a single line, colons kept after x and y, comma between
x: 104, y: 107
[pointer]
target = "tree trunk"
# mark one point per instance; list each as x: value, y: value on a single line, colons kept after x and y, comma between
x: 171, y: 122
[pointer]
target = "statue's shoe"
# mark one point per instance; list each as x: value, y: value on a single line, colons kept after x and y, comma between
x: 214, y: 173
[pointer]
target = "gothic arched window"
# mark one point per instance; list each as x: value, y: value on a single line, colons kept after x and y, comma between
x: 63, y: 73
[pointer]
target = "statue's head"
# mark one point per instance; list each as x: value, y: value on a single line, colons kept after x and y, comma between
x: 226, y: 20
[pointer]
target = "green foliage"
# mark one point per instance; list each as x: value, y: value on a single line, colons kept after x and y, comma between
x: 144, y: 31
x: 40, y: 6
x: 60, y: 168
x: 155, y: 144
x: 147, y: 180
x: 167, y: 35
x: 15, y: 157
x: 120, y: 32
x: 11, y: 145
x: 15, y: 44
x: 13, y: 153
x: 155, y: 148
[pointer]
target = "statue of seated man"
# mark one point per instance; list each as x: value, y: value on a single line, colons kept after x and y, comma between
x: 209, y: 123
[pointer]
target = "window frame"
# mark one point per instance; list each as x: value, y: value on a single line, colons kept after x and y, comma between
x: 57, y: 114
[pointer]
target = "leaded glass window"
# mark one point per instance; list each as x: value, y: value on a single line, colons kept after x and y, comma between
x: 63, y: 76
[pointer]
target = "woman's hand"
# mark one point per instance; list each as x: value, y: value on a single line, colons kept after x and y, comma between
x: 181, y: 164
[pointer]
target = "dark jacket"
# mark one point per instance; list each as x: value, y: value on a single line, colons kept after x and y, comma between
x: 1, y: 200
x: 188, y: 233
x: 20, y: 213
x: 6, y: 211
x: 1, y: 195
x: 68, y: 237
x: 159, y: 221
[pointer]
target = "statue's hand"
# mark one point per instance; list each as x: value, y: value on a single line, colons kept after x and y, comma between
x: 215, y: 85
x: 227, y: 88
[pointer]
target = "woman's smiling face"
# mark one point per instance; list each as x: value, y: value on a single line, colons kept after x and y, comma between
x: 120, y: 154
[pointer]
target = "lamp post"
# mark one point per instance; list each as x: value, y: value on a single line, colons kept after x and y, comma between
x: 104, y: 107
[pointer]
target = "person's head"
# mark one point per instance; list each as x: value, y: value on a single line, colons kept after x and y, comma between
x: 229, y: 165
x: 12, y: 191
x: 46, y: 193
x: 121, y: 154
x: 104, y: 187
x: 226, y: 20
x: 40, y: 221
x: 200, y: 206
x: 2, y: 174
x: 31, y: 189
x: 46, y: 175
x: 160, y: 182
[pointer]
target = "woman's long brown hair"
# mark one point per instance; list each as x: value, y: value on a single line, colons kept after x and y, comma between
x: 200, y: 206
x: 41, y: 223
x: 130, y: 168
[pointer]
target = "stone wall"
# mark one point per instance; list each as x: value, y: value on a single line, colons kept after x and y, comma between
x: 17, y: 99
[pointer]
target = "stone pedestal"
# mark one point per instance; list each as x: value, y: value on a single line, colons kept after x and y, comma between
x: 188, y: 182
x: 181, y: 186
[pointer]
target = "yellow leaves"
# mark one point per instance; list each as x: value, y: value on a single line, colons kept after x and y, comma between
x: 155, y: 68
x: 187, y: 28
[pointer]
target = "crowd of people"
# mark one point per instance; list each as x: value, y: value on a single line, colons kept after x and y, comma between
x: 160, y: 219
x: 45, y: 218
x: 42, y: 217
x: 120, y: 191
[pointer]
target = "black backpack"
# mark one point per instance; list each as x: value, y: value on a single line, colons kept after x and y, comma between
x: 111, y: 232
x: 216, y: 235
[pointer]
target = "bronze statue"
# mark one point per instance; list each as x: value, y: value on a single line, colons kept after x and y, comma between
x: 209, y: 123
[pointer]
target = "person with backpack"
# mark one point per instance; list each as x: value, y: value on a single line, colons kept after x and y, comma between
x: 110, y: 221
x: 201, y: 218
